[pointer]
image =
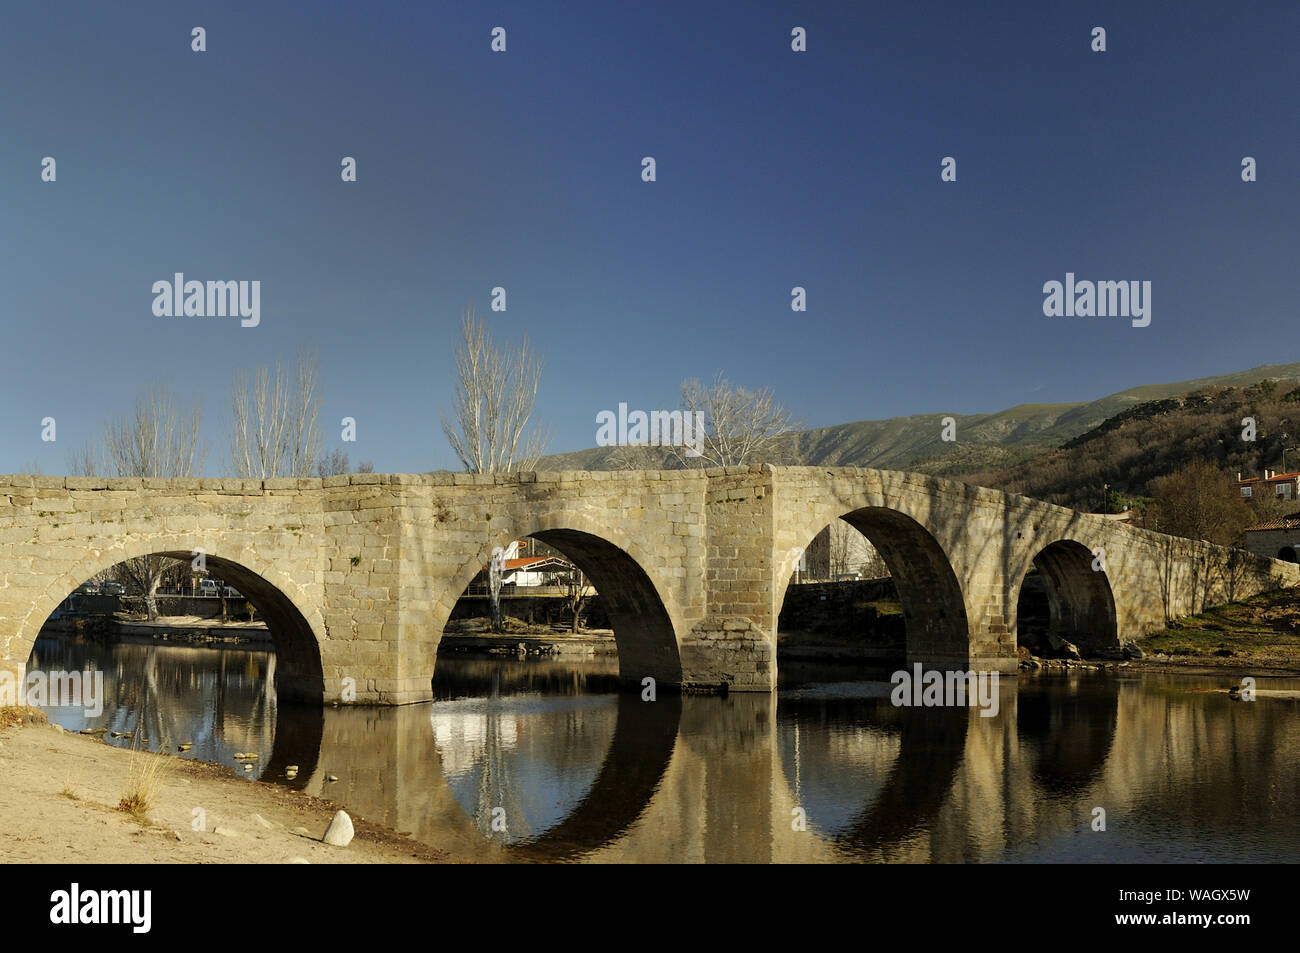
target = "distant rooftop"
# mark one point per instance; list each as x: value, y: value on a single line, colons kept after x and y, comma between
x: 1281, y: 522
x: 1272, y: 479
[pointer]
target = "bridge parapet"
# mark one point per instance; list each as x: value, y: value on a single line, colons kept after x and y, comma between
x: 357, y: 574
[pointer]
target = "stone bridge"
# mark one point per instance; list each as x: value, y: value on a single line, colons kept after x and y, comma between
x: 356, y: 575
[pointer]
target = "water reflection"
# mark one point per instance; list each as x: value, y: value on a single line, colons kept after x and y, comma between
x: 159, y: 697
x: 1068, y: 731
x: 869, y: 775
x: 573, y: 771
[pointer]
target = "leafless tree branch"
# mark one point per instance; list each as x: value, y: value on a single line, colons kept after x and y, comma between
x: 495, y: 396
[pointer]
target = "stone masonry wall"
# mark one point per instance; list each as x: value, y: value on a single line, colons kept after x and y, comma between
x: 356, y: 575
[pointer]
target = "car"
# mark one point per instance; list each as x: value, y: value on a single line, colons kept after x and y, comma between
x: 208, y: 587
x: 87, y: 589
x: 111, y: 588
x: 232, y: 593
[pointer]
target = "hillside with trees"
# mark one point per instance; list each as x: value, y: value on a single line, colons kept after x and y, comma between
x: 986, y: 443
x: 1119, y: 461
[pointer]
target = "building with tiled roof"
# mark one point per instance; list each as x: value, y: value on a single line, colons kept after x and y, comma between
x: 1278, y: 538
x: 1284, y: 485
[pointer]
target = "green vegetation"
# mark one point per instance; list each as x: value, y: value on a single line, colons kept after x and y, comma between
x: 1263, y: 630
x: 881, y: 607
x: 1130, y: 451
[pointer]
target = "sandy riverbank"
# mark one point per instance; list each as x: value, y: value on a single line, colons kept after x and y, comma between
x: 59, y: 804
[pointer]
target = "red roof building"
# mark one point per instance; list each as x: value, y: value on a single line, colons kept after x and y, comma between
x: 1276, y: 538
x: 1284, y: 485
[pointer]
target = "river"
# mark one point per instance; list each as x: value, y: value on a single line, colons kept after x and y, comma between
x: 527, y: 760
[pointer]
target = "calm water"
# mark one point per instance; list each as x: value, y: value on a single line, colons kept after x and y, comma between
x: 574, y: 771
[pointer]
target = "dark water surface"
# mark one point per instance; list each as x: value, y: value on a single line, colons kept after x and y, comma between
x: 533, y: 760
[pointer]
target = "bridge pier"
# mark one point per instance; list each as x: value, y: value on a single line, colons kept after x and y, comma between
x: 357, y: 574
x: 731, y: 653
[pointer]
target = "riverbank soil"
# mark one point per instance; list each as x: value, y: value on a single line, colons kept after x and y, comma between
x: 475, y: 635
x: 477, y: 625
x: 844, y: 622
x: 1262, y: 632
x: 61, y: 794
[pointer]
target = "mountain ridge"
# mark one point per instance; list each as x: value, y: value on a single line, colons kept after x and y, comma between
x: 985, y: 441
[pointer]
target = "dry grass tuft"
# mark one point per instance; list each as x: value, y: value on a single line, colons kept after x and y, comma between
x: 11, y: 715
x: 143, y: 785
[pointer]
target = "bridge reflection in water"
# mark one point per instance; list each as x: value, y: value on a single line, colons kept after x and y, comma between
x: 581, y: 774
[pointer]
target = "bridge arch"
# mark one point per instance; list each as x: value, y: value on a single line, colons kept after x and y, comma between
x: 1080, y: 603
x: 294, y: 621
x: 934, y: 607
x: 642, y: 611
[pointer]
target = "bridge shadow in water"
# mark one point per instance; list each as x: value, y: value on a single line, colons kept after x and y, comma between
x: 1068, y: 727
x: 917, y: 755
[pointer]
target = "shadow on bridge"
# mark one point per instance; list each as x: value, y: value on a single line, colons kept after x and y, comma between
x: 927, y: 589
x: 1080, y: 608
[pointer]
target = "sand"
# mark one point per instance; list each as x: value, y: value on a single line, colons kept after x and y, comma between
x: 59, y: 797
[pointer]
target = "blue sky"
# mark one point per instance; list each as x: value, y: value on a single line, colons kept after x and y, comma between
x: 522, y: 169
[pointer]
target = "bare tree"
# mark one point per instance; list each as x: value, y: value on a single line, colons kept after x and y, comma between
x: 333, y: 463
x: 159, y: 439
x: 495, y: 395
x: 874, y: 565
x: 1267, y: 505
x: 274, y: 432
x: 640, y: 456
x: 741, y: 426
x: 336, y: 462
x: 840, y: 549
x: 1199, y: 502
x: 576, y: 595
